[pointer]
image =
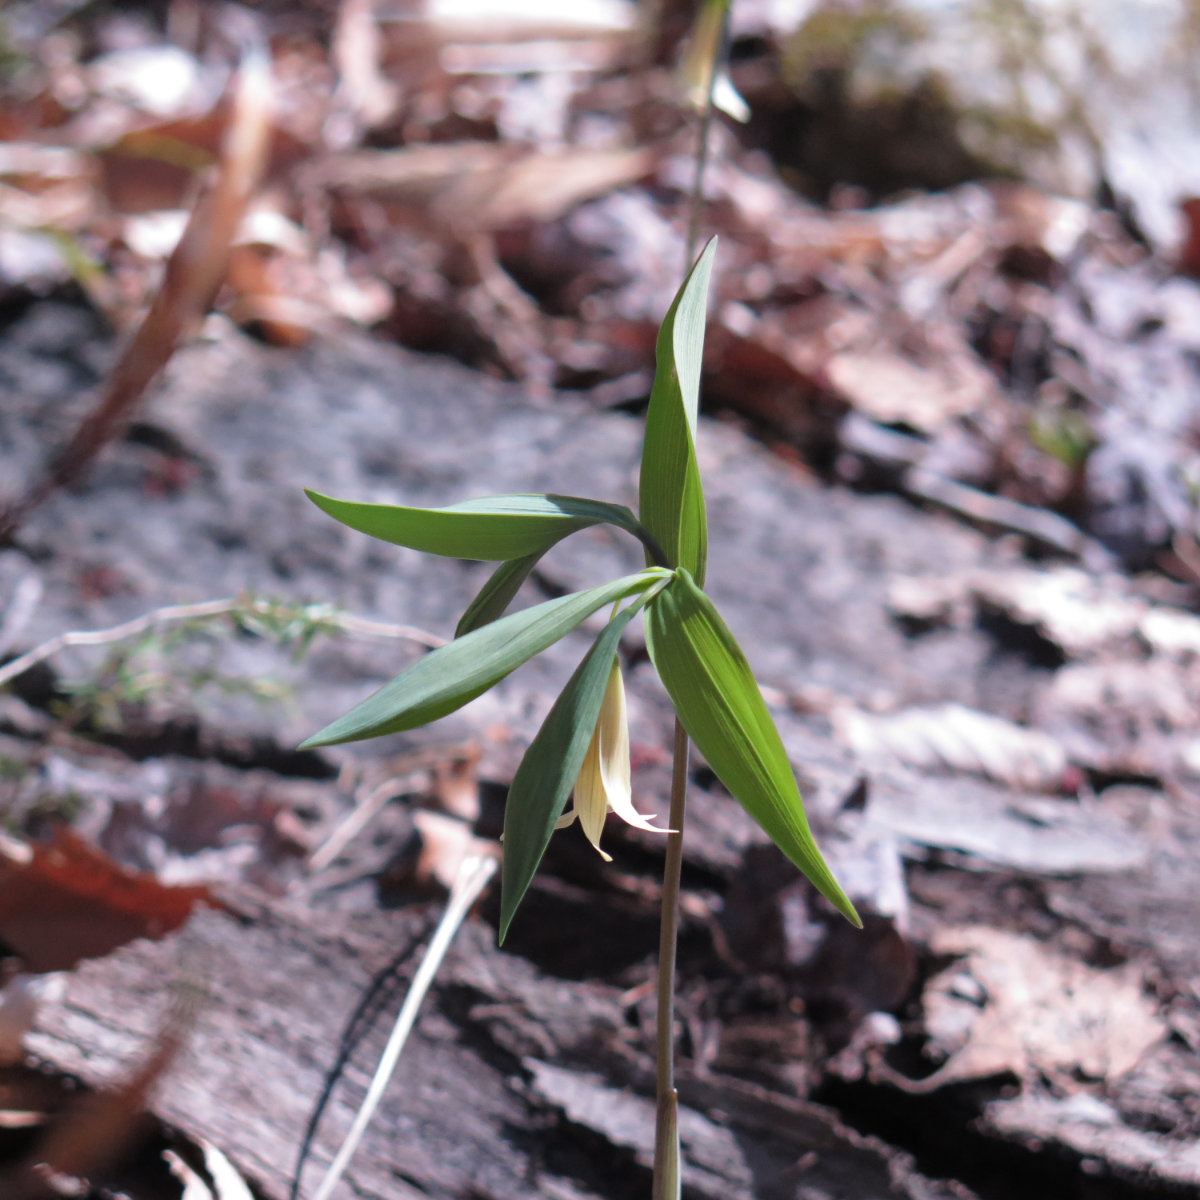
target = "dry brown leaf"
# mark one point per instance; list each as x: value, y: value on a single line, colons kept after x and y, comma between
x: 193, y: 275
x: 1010, y: 1005
x: 895, y: 391
x: 95, y: 1131
x: 481, y: 185
x: 1189, y: 255
x: 257, y: 279
x: 66, y: 901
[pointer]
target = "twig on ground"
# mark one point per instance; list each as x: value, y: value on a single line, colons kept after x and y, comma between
x: 472, y: 878
x: 1046, y: 528
x: 362, y: 814
x: 174, y: 613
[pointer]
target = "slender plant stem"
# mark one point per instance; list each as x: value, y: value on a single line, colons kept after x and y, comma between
x: 666, y: 1137
x: 664, y: 1127
x: 696, y: 200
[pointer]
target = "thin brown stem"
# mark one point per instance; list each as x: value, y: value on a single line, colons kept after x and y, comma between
x: 664, y: 1132
x: 667, y: 1167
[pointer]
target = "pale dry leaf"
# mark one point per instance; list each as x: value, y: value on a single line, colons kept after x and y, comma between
x: 1084, y: 615
x: 1125, y: 715
x: 227, y: 1183
x: 446, y: 843
x: 525, y: 20
x: 365, y: 97
x: 481, y: 185
x: 1070, y: 608
x: 949, y: 737
x: 896, y: 391
x: 1011, y: 1005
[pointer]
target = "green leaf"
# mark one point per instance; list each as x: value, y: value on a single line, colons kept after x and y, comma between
x: 671, y: 503
x: 497, y: 594
x: 548, y: 771
x: 453, y: 675
x: 717, y: 700
x: 492, y: 528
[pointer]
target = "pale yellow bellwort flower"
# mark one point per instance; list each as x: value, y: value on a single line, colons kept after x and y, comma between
x: 605, y: 782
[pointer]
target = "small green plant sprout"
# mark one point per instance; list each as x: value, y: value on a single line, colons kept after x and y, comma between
x: 583, y: 739
x: 583, y: 744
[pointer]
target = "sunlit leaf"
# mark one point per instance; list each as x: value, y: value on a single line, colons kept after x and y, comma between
x: 454, y: 674
x: 492, y: 528
x: 497, y: 594
x: 717, y: 700
x: 671, y: 503
x: 548, y: 771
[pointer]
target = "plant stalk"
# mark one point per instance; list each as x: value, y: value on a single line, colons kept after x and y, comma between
x: 664, y: 1127
x: 667, y: 1164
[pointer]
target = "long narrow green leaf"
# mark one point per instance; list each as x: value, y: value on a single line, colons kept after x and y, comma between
x: 492, y: 528
x: 548, y: 771
x: 717, y: 699
x: 497, y: 594
x: 453, y: 675
x: 671, y: 502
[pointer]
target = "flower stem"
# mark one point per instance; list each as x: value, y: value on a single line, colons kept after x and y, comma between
x: 667, y: 1165
x: 665, y: 1138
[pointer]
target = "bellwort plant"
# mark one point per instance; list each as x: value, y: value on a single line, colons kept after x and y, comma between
x: 582, y: 748
x: 581, y: 752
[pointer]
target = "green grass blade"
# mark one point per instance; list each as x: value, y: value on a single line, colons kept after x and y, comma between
x: 717, y: 699
x: 671, y: 502
x: 548, y: 771
x: 492, y: 528
x: 497, y: 594
x: 454, y: 674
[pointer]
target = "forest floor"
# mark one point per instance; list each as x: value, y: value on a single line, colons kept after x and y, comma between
x: 952, y: 459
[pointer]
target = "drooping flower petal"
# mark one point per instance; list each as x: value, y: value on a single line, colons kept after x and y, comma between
x: 604, y: 784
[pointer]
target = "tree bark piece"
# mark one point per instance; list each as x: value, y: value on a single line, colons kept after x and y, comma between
x: 514, y: 1084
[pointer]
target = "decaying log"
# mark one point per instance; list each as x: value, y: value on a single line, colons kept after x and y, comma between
x: 515, y: 1084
